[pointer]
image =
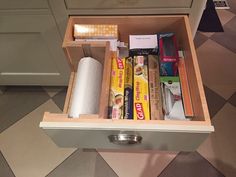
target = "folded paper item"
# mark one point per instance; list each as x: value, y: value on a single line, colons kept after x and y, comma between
x: 93, y: 31
x: 86, y: 92
x: 143, y: 45
x: 143, y: 41
x: 172, y: 98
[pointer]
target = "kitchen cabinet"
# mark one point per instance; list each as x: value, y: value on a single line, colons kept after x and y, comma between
x: 30, y: 45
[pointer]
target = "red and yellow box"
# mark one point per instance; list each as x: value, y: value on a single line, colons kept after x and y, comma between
x: 141, y: 91
x: 116, y: 100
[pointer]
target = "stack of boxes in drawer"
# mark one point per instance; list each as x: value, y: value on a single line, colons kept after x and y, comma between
x: 150, y: 82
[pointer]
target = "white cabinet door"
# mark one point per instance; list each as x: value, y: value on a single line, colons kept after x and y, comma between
x: 30, y: 51
x: 23, y: 4
x: 133, y: 4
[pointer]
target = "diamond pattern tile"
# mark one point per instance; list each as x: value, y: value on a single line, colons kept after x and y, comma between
x: 53, y: 90
x: 219, y: 148
x: 188, y: 164
x: 127, y: 163
x: 27, y: 149
x: 214, y: 101
x: 5, y: 170
x: 228, y: 38
x: 232, y: 99
x: 83, y: 163
x: 102, y: 169
x: 207, y: 34
x: 232, y: 5
x: 225, y: 16
x: 60, y: 97
x: 16, y: 102
x: 217, y: 66
x: 199, y: 39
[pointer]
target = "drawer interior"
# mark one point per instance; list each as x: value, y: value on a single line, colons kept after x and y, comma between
x: 100, y: 50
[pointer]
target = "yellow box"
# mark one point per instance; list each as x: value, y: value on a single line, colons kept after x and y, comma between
x: 116, y: 100
x: 87, y: 31
x: 141, y: 91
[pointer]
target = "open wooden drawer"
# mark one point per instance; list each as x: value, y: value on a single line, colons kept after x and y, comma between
x: 96, y: 131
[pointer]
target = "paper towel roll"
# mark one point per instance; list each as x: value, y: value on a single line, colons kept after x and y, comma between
x: 86, y: 93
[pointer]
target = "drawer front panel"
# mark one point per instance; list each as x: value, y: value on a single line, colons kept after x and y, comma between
x: 23, y: 4
x: 171, y: 141
x: 132, y: 4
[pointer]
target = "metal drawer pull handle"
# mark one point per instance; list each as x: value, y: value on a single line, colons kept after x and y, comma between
x: 125, y: 139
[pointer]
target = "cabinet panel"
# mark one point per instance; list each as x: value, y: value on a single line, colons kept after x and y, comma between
x: 23, y: 4
x: 94, y: 137
x: 25, y: 53
x: 114, y: 4
x: 30, y: 51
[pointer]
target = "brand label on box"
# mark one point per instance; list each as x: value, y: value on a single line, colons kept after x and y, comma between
x: 141, y: 91
x: 128, y: 105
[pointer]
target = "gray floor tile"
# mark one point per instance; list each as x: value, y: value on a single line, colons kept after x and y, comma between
x: 83, y: 163
x: 217, y: 65
x: 5, y: 170
x: 27, y: 149
x: 228, y: 38
x: 2, y: 89
x: 18, y: 101
x: 199, y: 39
x: 188, y: 164
x: 102, y: 169
x: 232, y: 5
x: 215, y: 102
x: 232, y: 99
x: 53, y: 90
x: 225, y: 16
x: 137, y: 163
x: 219, y: 147
x: 60, y: 97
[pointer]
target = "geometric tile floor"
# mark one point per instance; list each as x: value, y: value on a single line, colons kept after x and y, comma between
x: 86, y: 163
x: 190, y: 164
x: 25, y: 151
x: 5, y: 170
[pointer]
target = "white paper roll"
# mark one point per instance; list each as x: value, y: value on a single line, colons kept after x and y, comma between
x: 86, y: 93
